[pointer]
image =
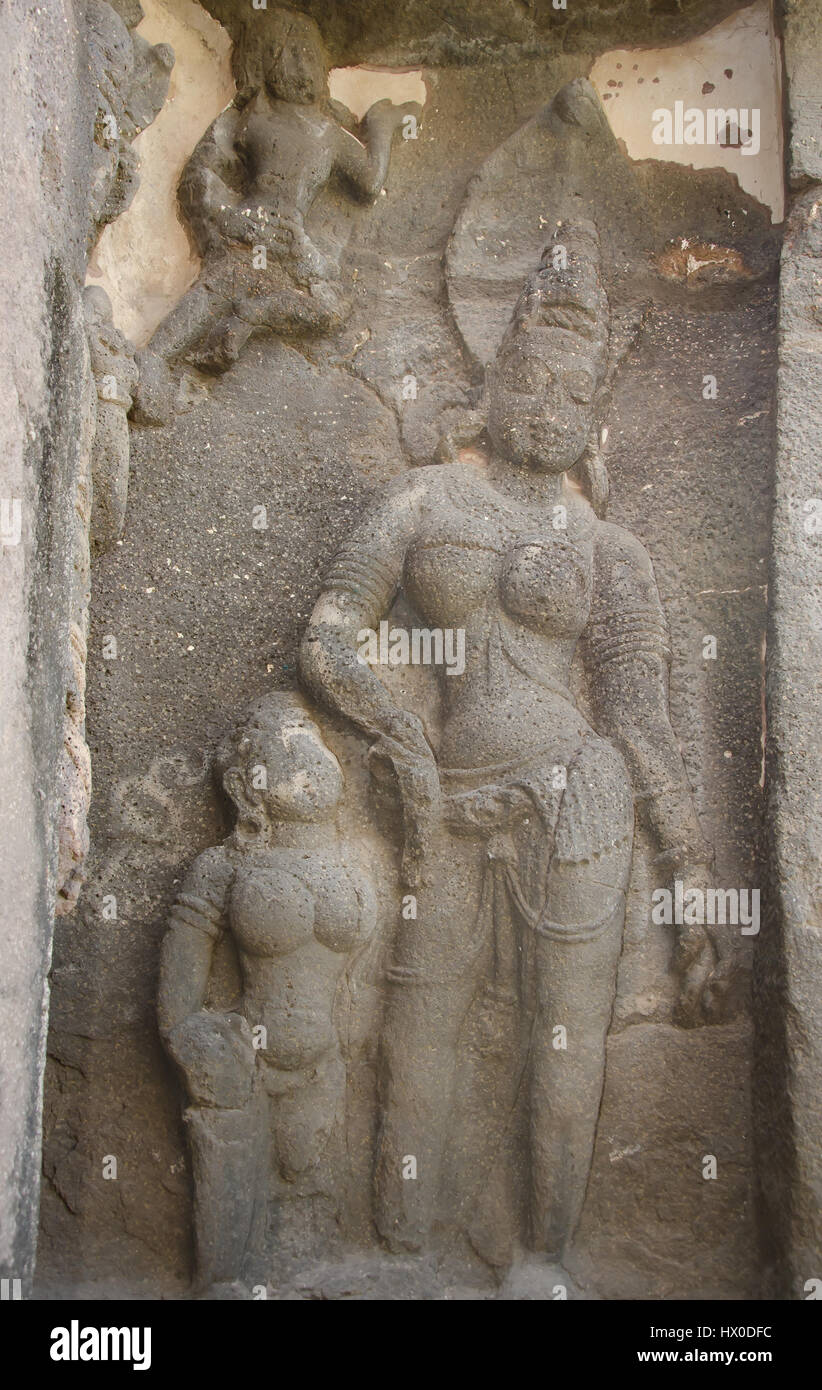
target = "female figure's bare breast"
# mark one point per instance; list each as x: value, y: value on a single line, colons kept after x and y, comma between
x: 520, y: 589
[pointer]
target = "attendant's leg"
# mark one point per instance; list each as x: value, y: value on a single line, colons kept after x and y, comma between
x: 229, y: 1158
x: 154, y: 396
x: 187, y: 322
x: 305, y: 1117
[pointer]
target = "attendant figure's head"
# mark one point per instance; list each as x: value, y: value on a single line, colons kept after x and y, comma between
x: 296, y: 66
x: 275, y: 765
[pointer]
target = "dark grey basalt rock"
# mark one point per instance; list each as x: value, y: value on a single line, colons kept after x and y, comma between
x: 358, y: 984
x: 481, y: 31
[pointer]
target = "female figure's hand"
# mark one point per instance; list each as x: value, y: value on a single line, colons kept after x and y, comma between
x: 710, y: 981
x: 403, y: 766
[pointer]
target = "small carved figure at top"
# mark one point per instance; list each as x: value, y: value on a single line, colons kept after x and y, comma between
x: 245, y: 194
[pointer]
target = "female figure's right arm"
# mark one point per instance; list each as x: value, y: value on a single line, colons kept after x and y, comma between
x: 357, y: 595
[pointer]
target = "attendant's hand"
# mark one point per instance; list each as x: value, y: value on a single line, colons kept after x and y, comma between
x: 215, y: 1052
x: 386, y: 116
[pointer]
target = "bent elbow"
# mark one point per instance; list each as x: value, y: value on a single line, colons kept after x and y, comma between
x: 315, y: 661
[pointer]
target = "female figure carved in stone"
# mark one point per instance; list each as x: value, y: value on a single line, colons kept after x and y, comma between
x: 519, y: 826
x: 266, y: 1081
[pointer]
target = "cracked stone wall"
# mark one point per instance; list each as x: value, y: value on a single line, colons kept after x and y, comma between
x: 47, y: 120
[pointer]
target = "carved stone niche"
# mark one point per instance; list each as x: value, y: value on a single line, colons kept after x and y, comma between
x: 417, y: 724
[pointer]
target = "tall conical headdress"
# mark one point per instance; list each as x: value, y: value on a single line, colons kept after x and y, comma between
x: 566, y: 292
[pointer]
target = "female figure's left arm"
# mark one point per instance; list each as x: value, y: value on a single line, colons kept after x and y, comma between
x: 627, y: 655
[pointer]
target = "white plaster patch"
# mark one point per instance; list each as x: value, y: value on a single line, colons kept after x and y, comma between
x: 359, y: 88
x: 633, y: 83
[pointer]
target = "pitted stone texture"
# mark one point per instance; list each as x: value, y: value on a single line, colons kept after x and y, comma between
x: 131, y: 80
x: 654, y: 1225
x: 790, y: 1045
x: 48, y: 119
x: 802, y: 20
x: 476, y: 31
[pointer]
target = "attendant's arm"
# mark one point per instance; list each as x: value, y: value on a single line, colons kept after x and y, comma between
x: 195, y: 924
x: 365, y: 164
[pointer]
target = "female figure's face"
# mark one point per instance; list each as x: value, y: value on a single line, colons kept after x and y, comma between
x: 291, y: 774
x: 541, y: 391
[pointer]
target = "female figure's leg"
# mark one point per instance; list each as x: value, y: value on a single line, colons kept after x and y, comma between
x: 577, y: 949
x: 576, y: 982
x: 437, y: 962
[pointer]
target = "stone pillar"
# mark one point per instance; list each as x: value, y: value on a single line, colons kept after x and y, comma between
x: 46, y: 118
x: 790, y: 963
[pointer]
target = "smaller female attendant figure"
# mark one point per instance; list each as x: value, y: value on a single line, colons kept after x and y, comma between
x: 266, y: 1082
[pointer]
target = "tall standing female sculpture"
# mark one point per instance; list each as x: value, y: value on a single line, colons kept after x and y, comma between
x: 519, y: 828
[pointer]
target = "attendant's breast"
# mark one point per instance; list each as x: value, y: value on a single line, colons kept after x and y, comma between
x: 271, y: 911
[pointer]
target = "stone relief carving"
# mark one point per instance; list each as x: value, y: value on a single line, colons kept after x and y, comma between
x: 131, y: 77
x: 566, y: 163
x: 246, y: 193
x: 517, y: 827
x: 265, y: 1079
x: 517, y: 797
x: 115, y: 376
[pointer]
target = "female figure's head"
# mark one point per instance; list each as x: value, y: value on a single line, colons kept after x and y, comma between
x: 275, y: 766
x: 544, y: 387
